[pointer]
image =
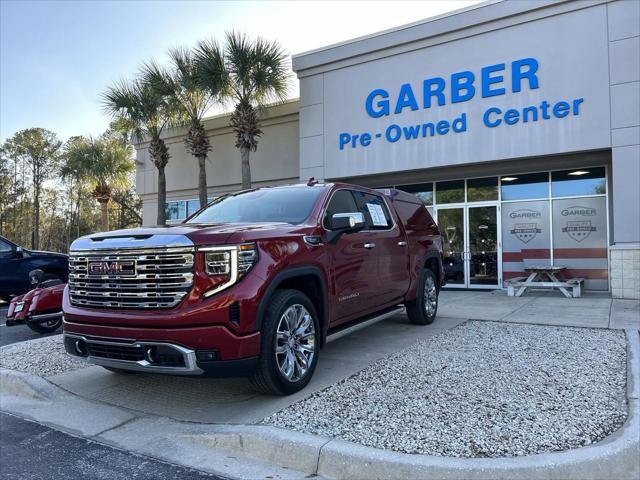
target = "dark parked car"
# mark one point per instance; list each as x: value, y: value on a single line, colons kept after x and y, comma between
x: 16, y: 263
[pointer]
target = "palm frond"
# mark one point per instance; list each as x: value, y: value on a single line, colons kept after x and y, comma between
x: 211, y: 71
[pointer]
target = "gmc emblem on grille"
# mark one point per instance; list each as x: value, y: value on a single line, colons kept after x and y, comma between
x: 120, y: 268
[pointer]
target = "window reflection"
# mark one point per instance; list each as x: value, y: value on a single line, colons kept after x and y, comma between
x: 524, y: 187
x: 482, y: 189
x: 581, y: 181
x: 424, y: 191
x: 450, y: 192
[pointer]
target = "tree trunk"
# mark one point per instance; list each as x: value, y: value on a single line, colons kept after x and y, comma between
x: 162, y: 196
x: 202, y: 181
x: 36, y: 218
x: 246, y: 168
x: 104, y: 210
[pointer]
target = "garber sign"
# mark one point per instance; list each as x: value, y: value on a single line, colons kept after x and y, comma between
x: 461, y: 87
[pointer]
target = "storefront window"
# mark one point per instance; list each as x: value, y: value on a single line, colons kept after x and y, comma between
x: 482, y: 189
x: 424, y: 191
x: 580, y: 240
x: 582, y: 181
x: 192, y: 207
x: 522, y: 187
x: 176, y: 210
x: 526, y: 240
x: 450, y: 192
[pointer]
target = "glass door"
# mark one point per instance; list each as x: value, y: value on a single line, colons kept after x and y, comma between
x: 471, y: 245
x: 482, y: 246
x: 451, y: 222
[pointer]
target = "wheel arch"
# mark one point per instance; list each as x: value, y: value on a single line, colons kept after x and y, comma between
x: 306, y: 279
x: 433, y: 261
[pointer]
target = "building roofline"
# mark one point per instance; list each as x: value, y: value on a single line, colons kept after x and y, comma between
x: 440, y: 25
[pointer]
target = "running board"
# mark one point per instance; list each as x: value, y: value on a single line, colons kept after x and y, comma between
x: 365, y: 323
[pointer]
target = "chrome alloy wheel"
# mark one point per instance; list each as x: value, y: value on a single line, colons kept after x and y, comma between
x: 295, y: 342
x: 430, y: 296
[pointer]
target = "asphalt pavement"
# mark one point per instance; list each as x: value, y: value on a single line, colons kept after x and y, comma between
x: 31, y: 451
x: 17, y: 333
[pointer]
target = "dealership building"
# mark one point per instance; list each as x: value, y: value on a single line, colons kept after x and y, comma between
x: 517, y: 123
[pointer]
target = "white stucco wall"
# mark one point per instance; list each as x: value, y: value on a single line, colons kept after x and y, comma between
x: 275, y: 161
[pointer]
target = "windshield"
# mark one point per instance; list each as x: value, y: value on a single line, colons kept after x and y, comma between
x: 279, y: 205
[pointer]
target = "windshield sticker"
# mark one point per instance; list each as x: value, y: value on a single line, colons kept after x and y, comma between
x: 377, y: 215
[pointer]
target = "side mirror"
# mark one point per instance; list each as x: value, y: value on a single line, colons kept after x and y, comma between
x: 19, y: 252
x: 344, y: 223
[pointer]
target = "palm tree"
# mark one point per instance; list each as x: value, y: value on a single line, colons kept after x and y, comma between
x: 144, y: 113
x: 256, y: 73
x: 190, y: 101
x: 106, y: 164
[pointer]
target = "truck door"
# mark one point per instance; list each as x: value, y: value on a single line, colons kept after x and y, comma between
x: 353, y: 263
x: 390, y: 249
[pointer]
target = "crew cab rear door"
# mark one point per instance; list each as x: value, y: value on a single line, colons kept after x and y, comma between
x: 354, y: 265
x: 389, y: 246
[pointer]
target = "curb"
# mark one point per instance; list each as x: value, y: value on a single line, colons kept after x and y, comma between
x: 24, y: 385
x: 616, y: 456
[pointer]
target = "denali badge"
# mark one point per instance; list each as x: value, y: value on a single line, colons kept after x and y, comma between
x: 120, y: 268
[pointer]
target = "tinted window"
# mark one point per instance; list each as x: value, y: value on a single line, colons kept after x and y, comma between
x: 481, y: 189
x: 5, y: 247
x: 450, y: 192
x: 341, y: 202
x: 523, y: 187
x: 424, y: 191
x: 582, y: 181
x: 280, y: 205
x: 375, y: 211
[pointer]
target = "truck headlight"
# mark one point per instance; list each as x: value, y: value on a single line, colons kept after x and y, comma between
x: 228, y: 263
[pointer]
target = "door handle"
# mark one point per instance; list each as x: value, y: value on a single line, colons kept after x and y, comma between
x: 402, y: 244
x: 369, y: 245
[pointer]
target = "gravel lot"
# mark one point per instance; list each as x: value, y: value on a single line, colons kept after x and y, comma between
x: 483, y: 389
x: 43, y: 356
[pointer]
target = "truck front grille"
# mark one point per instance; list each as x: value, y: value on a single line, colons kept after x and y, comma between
x: 141, y: 278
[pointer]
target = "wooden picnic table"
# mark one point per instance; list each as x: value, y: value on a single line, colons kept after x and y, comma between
x: 545, y: 276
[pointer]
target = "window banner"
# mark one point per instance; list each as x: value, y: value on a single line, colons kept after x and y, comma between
x: 525, y: 237
x: 580, y: 239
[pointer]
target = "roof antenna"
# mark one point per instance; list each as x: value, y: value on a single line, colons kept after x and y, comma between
x: 312, y: 181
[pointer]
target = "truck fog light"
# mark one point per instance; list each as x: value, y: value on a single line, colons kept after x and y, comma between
x: 81, y: 348
x: 207, y: 355
x: 150, y: 355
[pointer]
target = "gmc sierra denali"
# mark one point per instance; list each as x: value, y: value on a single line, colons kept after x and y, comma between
x: 254, y: 284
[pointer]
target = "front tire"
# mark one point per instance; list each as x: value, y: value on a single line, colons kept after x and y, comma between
x: 423, y: 310
x: 290, y: 340
x: 47, y: 327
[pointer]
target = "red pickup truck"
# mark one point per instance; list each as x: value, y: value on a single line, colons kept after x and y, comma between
x: 254, y: 284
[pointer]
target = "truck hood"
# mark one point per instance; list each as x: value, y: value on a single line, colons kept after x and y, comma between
x: 184, y: 235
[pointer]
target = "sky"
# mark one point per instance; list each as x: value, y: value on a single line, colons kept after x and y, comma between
x: 57, y: 57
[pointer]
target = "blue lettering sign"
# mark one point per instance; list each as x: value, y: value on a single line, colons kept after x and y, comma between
x: 382, y: 105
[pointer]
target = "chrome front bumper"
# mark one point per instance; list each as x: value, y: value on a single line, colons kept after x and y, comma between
x: 137, y: 356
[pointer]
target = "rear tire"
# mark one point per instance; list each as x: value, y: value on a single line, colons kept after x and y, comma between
x: 45, y: 327
x: 290, y: 340
x: 423, y: 310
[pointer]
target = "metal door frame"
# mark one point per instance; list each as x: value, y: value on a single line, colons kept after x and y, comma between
x: 466, y: 254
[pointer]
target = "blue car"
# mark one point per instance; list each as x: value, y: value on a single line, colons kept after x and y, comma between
x: 16, y: 263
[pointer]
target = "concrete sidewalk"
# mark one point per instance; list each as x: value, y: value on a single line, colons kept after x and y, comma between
x: 592, y: 310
